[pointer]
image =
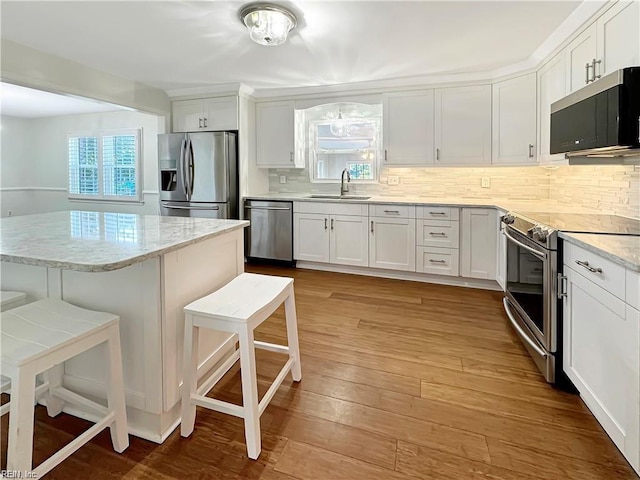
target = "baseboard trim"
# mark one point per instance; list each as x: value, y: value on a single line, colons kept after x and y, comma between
x: 398, y: 275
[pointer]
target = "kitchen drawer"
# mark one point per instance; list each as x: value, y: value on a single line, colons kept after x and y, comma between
x: 612, y: 277
x: 437, y: 233
x: 393, y: 211
x: 438, y: 261
x: 438, y: 213
x: 332, y: 208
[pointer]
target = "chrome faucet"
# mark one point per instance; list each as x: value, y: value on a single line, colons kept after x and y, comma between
x: 344, y: 188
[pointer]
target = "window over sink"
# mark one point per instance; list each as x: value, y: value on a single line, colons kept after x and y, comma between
x: 338, y: 136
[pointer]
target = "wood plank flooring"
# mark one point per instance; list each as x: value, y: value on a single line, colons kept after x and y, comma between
x: 401, y: 381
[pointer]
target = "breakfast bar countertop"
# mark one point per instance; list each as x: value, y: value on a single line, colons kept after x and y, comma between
x: 101, y: 241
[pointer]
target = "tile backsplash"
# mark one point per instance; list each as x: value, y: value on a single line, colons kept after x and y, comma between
x: 609, y: 189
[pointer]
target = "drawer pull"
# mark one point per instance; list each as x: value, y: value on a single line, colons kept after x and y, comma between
x: 586, y: 265
x: 392, y: 211
x: 431, y: 260
x: 437, y: 234
x: 437, y: 213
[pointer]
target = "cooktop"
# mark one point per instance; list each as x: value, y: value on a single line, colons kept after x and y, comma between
x: 585, y: 222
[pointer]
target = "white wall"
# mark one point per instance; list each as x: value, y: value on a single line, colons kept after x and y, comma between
x: 34, y: 158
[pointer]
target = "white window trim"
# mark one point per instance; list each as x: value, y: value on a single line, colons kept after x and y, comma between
x: 101, y: 197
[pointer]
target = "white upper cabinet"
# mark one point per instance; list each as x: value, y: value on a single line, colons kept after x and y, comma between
x: 551, y: 87
x: 579, y: 57
x: 463, y: 125
x: 275, y: 136
x: 514, y: 121
x: 610, y: 43
x: 408, y: 128
x: 205, y: 115
x: 618, y: 35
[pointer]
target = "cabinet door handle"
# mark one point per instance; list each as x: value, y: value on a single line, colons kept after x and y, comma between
x: 199, y: 123
x: 586, y: 80
x: 291, y: 156
x: 437, y: 234
x: 332, y: 224
x: 431, y: 260
x: 437, y: 154
x: 205, y: 122
x: 325, y: 223
x: 531, y: 150
x: 586, y: 265
x: 392, y: 211
x: 385, y: 154
x: 594, y: 77
x: 371, y: 226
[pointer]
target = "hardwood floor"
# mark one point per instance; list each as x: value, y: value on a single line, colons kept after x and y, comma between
x: 401, y: 381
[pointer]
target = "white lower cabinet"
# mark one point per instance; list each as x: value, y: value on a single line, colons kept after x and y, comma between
x: 501, y: 261
x: 601, y: 344
x: 437, y: 261
x: 311, y: 237
x: 349, y: 244
x: 478, y: 245
x: 392, y: 243
x: 331, y: 233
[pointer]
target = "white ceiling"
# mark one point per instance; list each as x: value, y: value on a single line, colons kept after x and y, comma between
x: 24, y: 102
x: 178, y: 45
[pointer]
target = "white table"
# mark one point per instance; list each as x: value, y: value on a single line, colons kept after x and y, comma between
x: 144, y: 269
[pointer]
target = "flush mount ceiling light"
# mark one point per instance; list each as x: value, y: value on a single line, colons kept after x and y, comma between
x: 268, y: 24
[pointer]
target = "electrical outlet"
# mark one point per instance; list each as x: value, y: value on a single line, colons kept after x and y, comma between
x: 10, y: 212
x: 283, y: 179
x: 486, y: 182
x: 393, y: 180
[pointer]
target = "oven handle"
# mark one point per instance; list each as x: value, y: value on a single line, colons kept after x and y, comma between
x: 535, y: 252
x: 523, y: 335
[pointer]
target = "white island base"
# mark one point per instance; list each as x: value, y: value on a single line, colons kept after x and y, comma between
x: 149, y: 297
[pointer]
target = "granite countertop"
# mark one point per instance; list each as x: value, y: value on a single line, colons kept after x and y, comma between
x: 621, y: 249
x: 101, y: 241
x: 504, y: 204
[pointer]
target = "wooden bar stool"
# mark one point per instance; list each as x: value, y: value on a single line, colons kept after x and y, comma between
x: 35, y: 338
x: 239, y: 307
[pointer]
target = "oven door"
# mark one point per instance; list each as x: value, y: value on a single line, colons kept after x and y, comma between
x: 530, y: 289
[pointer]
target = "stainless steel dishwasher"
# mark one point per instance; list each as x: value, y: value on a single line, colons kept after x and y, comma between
x: 270, y: 235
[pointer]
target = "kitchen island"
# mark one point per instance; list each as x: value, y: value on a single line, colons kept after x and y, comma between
x: 144, y: 268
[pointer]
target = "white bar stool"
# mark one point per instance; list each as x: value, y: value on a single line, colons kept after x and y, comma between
x: 9, y: 300
x: 239, y: 307
x: 38, y: 336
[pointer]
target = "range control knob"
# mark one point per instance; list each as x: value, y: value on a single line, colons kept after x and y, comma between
x: 540, y: 234
x: 508, y: 219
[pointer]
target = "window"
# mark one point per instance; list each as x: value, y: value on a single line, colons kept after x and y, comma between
x: 341, y: 136
x: 105, y: 165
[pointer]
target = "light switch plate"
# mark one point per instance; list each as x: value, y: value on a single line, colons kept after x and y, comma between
x: 283, y: 179
x: 393, y: 180
x: 486, y: 182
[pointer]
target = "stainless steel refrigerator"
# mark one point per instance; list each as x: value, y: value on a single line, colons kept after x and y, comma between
x: 198, y: 174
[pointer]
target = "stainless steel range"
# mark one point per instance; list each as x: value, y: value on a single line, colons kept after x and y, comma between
x: 533, y: 272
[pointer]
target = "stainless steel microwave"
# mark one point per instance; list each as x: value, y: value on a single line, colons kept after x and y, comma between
x: 600, y: 119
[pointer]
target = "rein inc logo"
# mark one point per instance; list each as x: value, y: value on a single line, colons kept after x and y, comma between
x: 18, y: 474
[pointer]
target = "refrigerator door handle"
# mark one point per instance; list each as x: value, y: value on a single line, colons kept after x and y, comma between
x: 192, y: 169
x: 176, y: 207
x: 183, y: 151
x: 187, y: 168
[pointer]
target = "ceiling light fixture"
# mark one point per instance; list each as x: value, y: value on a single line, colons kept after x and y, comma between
x: 268, y: 24
x: 340, y: 127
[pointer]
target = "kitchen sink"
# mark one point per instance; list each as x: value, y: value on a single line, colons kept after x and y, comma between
x: 339, y: 197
